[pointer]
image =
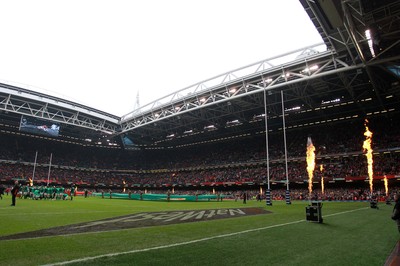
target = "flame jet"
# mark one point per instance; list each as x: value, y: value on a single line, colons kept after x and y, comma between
x: 321, y: 168
x: 385, y: 180
x: 367, y: 148
x: 310, y: 163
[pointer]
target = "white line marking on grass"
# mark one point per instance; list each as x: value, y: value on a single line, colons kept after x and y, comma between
x: 339, y: 213
x: 189, y: 242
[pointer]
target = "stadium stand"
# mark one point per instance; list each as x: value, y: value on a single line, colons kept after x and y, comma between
x: 225, y: 165
x: 212, y: 135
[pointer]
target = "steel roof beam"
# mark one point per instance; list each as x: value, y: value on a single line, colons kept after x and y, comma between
x: 281, y: 77
x: 44, y: 110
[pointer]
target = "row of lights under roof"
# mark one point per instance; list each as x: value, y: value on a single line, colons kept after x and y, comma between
x: 5, y: 125
x: 338, y: 119
x: 213, y: 140
x: 263, y: 132
x: 382, y: 112
x: 333, y: 103
x: 72, y: 141
x: 208, y: 128
x: 312, y: 123
x: 321, y: 122
x: 258, y: 118
x: 187, y: 133
x: 37, y: 136
x: 289, y: 127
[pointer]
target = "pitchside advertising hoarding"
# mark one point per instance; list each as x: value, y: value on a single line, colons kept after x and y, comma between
x: 39, y: 126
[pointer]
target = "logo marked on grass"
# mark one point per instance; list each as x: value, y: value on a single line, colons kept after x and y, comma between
x: 143, y: 219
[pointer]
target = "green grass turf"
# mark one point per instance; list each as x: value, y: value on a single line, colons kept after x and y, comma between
x: 363, y: 236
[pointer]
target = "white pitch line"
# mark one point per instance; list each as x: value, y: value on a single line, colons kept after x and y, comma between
x: 189, y: 242
x: 339, y: 213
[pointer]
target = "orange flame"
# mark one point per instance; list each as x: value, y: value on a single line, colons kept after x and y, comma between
x: 368, y: 149
x: 321, y: 168
x: 30, y: 182
x: 385, y: 180
x: 310, y: 163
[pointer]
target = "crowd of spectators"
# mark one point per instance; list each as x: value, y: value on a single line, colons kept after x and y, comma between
x: 342, y: 167
x: 338, y: 149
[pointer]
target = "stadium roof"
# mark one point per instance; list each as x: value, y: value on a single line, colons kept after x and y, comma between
x: 353, y: 74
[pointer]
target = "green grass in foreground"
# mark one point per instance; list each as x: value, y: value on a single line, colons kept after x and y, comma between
x: 362, y: 236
